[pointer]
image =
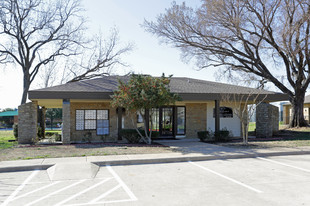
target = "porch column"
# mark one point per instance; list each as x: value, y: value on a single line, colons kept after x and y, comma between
x: 119, y: 122
x: 41, y: 121
x: 66, y: 121
x: 27, y: 122
x: 217, y: 117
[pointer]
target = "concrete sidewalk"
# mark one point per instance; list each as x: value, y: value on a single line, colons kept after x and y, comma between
x: 187, y: 150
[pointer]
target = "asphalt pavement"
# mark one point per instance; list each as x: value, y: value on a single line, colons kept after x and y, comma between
x: 187, y: 150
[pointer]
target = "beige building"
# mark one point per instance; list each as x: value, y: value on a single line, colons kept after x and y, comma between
x: 87, y: 110
x: 287, y: 111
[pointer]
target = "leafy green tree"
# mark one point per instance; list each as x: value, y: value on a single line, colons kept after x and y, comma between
x: 141, y: 93
x: 7, y: 109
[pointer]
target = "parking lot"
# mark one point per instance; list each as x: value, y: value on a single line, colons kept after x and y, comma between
x: 283, y: 180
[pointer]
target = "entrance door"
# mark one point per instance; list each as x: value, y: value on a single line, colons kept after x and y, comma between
x: 166, y: 123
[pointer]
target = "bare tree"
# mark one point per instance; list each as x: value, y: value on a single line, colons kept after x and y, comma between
x: 244, y: 107
x: 48, y: 74
x: 34, y: 33
x: 101, y: 58
x: 264, y: 38
x: 98, y: 58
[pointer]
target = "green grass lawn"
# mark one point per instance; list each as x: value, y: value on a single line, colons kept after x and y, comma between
x: 5, y: 136
x: 252, y: 126
x: 54, y: 131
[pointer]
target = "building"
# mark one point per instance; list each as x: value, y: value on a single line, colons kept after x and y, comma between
x: 287, y: 111
x: 86, y: 108
x: 8, y: 118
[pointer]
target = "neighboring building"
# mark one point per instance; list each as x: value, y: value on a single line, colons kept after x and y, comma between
x: 282, y: 111
x: 287, y: 110
x: 86, y: 108
x: 8, y: 118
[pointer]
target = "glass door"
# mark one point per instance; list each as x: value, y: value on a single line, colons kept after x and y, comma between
x: 166, y: 125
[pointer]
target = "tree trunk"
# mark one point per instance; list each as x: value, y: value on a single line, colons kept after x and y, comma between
x: 297, y: 118
x: 25, y: 87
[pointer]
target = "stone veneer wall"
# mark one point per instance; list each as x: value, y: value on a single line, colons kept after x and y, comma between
x: 267, y: 120
x: 196, y: 118
x: 27, y: 122
x: 77, y: 136
x: 66, y: 119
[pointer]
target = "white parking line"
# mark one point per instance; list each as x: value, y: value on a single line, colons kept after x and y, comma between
x: 11, y: 197
x: 41, y: 188
x: 83, y: 191
x: 105, y: 194
x: 120, y: 185
x: 225, y: 177
x: 131, y: 195
x: 280, y: 163
x: 58, y: 191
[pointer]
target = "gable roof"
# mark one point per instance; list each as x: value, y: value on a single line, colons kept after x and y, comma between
x: 187, y: 88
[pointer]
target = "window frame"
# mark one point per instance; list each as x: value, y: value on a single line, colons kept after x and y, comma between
x: 96, y: 119
x: 176, y: 120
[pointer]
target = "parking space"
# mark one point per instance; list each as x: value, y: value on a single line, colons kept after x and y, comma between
x: 281, y: 180
x: 35, y: 188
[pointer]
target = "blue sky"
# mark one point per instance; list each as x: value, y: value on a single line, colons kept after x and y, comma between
x: 148, y: 56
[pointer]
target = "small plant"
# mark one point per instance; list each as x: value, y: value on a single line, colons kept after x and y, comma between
x: 223, y: 135
x: 131, y: 135
x: 104, y: 137
x: 35, y: 140
x: 15, y: 131
x: 87, y: 137
x: 205, y: 136
x: 57, y: 137
x: 40, y: 133
x: 155, y: 134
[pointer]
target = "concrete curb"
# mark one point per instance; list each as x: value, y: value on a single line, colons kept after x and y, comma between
x: 196, y: 158
x: 25, y: 168
x: 158, y: 160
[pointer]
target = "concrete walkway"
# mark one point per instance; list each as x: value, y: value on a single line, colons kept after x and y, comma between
x: 186, y: 150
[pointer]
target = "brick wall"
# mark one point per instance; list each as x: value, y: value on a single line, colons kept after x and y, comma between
x: 27, y: 122
x: 196, y: 118
x: 267, y: 120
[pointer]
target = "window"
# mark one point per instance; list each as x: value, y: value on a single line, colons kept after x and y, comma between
x: 181, y: 120
x: 79, y: 122
x: 155, y: 119
x: 102, y: 122
x: 92, y: 119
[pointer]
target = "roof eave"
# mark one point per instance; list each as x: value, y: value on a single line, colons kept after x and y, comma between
x: 185, y: 96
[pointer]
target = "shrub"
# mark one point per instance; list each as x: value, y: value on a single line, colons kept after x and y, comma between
x: 155, y: 134
x: 87, y: 137
x: 57, y: 137
x: 104, y: 137
x: 223, y: 135
x: 15, y: 131
x: 205, y: 136
x: 131, y: 135
x: 49, y: 134
x: 40, y: 133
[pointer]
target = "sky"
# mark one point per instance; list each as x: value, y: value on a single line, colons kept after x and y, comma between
x: 148, y: 56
